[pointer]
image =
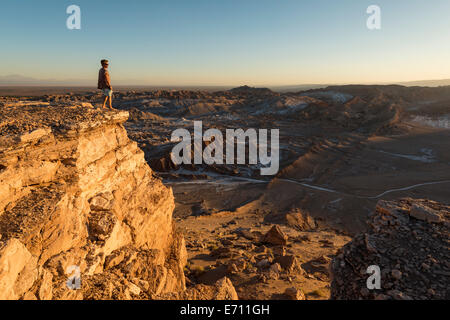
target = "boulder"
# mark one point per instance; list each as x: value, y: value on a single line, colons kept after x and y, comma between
x: 290, y: 264
x: 275, y: 236
x: 424, y: 213
x: 225, y: 290
x: 294, y: 294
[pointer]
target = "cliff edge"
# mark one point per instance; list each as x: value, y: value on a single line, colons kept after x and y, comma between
x: 78, y: 201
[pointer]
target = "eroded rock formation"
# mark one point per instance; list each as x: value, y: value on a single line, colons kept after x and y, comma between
x: 409, y: 241
x: 77, y: 195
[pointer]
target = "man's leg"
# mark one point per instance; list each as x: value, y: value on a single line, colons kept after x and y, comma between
x: 104, y: 102
x: 110, y: 102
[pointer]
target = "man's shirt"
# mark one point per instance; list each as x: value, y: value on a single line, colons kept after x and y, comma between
x: 104, y: 82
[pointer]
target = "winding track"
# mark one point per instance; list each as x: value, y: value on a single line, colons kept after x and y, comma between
x: 365, y: 197
x: 319, y: 188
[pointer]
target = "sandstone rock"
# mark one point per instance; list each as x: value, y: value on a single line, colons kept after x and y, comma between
x: 114, y: 259
x: 17, y: 270
x: 102, y: 202
x: 275, y: 236
x: 232, y: 268
x: 265, y: 263
x: 134, y: 289
x: 73, y: 190
x: 222, y: 289
x: 388, y: 208
x: 290, y: 264
x: 274, y: 272
x: 275, y: 268
x: 34, y: 135
x: 300, y: 221
x: 294, y: 294
x: 101, y: 224
x: 46, y: 288
x: 225, y: 290
x: 29, y: 296
x: 424, y: 213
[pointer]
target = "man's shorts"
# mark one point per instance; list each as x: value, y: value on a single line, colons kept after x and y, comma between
x: 107, y: 92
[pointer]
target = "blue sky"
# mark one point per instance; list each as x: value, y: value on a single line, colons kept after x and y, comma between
x: 227, y: 42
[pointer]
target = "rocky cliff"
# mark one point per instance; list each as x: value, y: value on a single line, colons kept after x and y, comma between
x: 409, y: 240
x: 77, y: 200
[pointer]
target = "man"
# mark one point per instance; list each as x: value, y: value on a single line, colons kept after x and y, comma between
x: 104, y: 83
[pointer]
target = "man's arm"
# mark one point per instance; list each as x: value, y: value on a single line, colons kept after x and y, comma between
x: 108, y: 79
x: 99, y: 82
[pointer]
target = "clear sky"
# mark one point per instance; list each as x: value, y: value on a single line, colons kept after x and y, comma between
x: 227, y: 42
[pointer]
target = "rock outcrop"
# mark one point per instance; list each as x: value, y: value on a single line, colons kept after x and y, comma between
x: 275, y: 236
x: 78, y: 201
x: 409, y: 241
x: 222, y: 289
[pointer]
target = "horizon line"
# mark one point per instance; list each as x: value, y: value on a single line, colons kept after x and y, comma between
x: 26, y: 81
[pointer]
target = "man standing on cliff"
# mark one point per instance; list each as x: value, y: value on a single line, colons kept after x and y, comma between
x: 104, y: 83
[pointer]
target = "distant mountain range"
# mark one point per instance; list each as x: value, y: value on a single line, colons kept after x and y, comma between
x: 19, y: 80
x: 15, y: 79
x: 419, y: 83
x: 426, y: 83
